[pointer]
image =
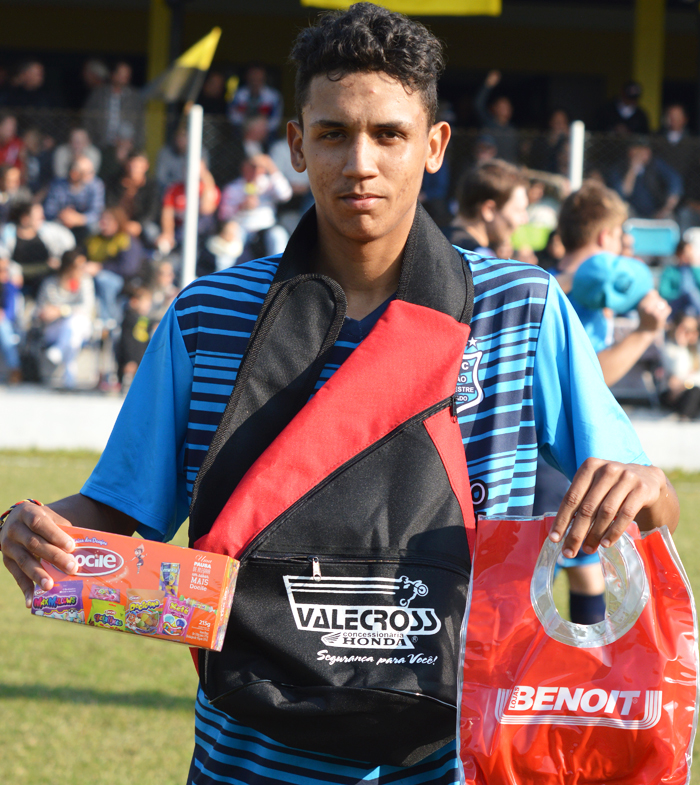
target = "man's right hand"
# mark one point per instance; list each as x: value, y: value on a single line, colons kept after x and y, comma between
x: 653, y: 312
x: 32, y: 533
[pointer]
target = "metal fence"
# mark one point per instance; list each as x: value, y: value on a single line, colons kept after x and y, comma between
x: 547, y: 156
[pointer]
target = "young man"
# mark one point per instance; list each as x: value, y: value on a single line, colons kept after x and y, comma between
x: 366, y: 93
x: 492, y: 205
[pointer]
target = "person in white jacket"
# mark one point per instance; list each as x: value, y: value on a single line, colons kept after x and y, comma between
x: 252, y: 201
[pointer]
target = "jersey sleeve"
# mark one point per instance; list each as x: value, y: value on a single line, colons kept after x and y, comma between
x: 576, y: 415
x: 141, y: 471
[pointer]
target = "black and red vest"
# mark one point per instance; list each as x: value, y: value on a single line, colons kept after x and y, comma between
x: 350, y: 511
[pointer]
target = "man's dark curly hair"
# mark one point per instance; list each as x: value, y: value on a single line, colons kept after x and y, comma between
x: 368, y: 38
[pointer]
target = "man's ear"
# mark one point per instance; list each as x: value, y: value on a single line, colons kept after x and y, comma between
x: 438, y: 137
x: 488, y: 211
x: 295, y: 138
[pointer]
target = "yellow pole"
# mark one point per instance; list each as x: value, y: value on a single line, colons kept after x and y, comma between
x: 158, y: 61
x: 648, y: 54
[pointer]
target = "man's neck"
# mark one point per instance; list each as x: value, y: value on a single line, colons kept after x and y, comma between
x: 476, y: 228
x: 368, y: 272
x: 571, y: 261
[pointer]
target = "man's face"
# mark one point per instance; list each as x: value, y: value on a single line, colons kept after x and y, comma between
x: 82, y: 171
x: 676, y: 119
x: 611, y: 239
x: 255, y: 79
x: 502, y: 110
x: 33, y: 76
x: 506, y: 220
x: 8, y: 128
x: 122, y: 75
x: 365, y: 145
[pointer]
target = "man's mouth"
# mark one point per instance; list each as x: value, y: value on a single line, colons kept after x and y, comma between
x: 360, y: 201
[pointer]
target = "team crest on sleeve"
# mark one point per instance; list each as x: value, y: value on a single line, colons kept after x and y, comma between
x: 469, y: 390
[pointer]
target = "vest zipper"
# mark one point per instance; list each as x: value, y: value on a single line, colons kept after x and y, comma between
x: 315, y: 561
x: 268, y: 530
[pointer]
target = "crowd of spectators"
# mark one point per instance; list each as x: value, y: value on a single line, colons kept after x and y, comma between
x: 91, y: 231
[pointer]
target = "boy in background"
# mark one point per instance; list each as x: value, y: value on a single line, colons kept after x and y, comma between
x: 595, y: 274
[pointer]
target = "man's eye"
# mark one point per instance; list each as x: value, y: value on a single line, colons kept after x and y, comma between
x: 332, y: 135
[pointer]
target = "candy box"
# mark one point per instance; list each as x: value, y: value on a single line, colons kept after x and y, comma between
x: 144, y: 588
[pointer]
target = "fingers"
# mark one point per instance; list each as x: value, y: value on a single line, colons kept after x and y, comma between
x: 24, y: 583
x: 602, y: 501
x: 31, y: 533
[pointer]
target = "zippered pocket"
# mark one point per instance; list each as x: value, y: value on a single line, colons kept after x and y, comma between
x: 314, y: 633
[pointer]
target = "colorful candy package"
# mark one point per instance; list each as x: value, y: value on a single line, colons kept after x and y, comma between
x: 176, y: 617
x: 169, y: 577
x: 107, y: 614
x: 104, y: 593
x: 144, y: 588
x: 64, y: 601
x: 143, y: 610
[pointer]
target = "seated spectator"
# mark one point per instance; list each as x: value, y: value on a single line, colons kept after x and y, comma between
x: 624, y: 115
x: 252, y: 200
x: 29, y: 238
x: 171, y: 166
x: 212, y: 98
x: 93, y: 74
x: 163, y: 289
x: 650, y: 186
x: 26, y: 246
x: 680, y: 282
x: 11, y: 146
x: 117, y: 154
x: 485, y: 149
x: 546, y: 150
x: 137, y: 328
x: 172, y: 217
x: 221, y: 250
x: 110, y: 106
x: 9, y: 315
x: 492, y: 204
x: 28, y: 90
x: 64, y: 309
x: 673, y: 144
x: 256, y: 136
x: 495, y: 113
x: 137, y: 194
x: 255, y: 98
x: 679, y: 356
x: 78, y: 200
x: 78, y: 144
x: 114, y: 258
x: 38, y: 161
x: 11, y: 191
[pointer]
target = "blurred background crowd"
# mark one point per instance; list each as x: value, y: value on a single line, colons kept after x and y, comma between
x: 91, y: 225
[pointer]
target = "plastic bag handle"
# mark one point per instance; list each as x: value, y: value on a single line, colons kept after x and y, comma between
x: 627, y: 593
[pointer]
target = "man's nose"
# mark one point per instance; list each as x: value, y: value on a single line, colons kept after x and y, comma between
x: 361, y: 160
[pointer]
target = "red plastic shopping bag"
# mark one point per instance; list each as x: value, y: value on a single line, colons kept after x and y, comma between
x: 546, y: 701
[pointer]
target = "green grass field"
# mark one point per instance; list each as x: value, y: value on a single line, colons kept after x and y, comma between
x: 82, y: 706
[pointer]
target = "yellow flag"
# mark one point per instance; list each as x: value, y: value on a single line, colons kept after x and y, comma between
x: 184, y: 79
x: 422, y: 7
x: 202, y: 53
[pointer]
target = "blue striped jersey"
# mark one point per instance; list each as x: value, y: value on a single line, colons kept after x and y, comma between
x: 529, y: 380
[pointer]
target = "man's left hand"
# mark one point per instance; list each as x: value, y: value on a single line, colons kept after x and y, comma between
x: 605, y: 497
